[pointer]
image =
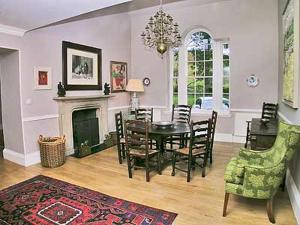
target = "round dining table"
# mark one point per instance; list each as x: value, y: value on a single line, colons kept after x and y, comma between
x: 159, y: 134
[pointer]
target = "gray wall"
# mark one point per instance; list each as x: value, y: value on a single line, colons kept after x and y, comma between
x: 10, y: 97
x: 251, y: 27
x: 293, y: 115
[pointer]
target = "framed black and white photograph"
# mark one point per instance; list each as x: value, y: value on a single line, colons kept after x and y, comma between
x: 81, y: 67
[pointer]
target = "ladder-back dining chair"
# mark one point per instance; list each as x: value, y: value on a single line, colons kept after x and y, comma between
x: 269, y: 111
x: 199, y: 145
x: 137, y: 147
x: 180, y: 114
x: 120, y: 136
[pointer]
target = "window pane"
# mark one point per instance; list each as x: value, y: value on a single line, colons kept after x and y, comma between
x: 191, y: 99
x: 191, y: 69
x: 209, y: 53
x: 200, y: 69
x: 175, y: 64
x: 206, y: 102
x: 226, y: 51
x: 226, y: 74
x: 175, y: 98
x: 226, y: 70
x: 200, y: 86
x: 226, y: 85
x: 191, y: 54
x: 191, y: 86
x: 198, y: 102
x: 199, y: 54
x: 225, y: 101
x: 208, y: 68
x: 208, y: 85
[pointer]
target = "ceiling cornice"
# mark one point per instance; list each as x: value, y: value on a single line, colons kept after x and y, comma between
x: 12, y: 30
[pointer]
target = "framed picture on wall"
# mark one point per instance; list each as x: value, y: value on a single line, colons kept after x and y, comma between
x: 42, y: 77
x: 118, y: 76
x: 81, y: 67
x: 290, y: 22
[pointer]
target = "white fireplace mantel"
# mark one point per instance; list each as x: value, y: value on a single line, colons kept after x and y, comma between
x: 67, y: 105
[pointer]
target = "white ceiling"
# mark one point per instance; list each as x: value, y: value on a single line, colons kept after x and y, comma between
x: 30, y: 14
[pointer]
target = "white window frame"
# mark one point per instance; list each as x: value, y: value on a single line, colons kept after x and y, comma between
x: 217, y: 46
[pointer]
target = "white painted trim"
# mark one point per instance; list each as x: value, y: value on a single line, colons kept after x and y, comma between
x: 12, y: 30
x: 32, y: 158
x: 282, y: 116
x: 154, y: 106
x: 238, y: 139
x: 224, y: 137
x: 36, y: 118
x: 118, y: 108
x: 293, y: 194
x: 13, y: 156
x: 246, y: 110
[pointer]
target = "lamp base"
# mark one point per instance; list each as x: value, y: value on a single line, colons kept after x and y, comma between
x: 134, y: 104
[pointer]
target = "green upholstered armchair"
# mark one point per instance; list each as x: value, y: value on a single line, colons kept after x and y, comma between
x: 258, y: 174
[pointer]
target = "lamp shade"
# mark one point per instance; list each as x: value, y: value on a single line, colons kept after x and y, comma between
x: 135, y: 85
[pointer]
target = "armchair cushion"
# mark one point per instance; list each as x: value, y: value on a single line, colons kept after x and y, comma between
x: 234, y: 172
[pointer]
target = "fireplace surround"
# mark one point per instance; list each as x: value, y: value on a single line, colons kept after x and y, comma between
x: 67, y: 105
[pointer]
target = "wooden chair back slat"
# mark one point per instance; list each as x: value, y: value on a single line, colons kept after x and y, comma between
x: 269, y: 111
x: 144, y: 114
x: 181, y: 113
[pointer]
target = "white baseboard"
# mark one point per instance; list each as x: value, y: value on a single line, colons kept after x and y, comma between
x: 223, y: 137
x: 238, y: 139
x: 32, y: 158
x: 21, y: 159
x: 293, y: 194
x: 13, y: 156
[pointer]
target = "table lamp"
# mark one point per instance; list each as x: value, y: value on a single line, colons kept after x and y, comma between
x: 134, y: 85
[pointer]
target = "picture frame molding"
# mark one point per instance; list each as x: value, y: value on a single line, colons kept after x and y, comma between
x: 70, y: 45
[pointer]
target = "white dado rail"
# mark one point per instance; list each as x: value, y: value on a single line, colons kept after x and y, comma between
x: 67, y: 105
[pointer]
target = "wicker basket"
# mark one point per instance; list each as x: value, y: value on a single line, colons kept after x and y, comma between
x: 52, y: 151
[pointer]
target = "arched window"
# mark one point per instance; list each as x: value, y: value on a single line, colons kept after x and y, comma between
x: 200, y: 73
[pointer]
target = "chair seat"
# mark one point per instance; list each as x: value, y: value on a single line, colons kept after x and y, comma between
x: 197, y: 151
x: 234, y: 173
x: 142, y: 152
x: 122, y: 141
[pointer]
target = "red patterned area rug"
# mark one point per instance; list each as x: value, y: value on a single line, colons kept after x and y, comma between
x: 47, y: 201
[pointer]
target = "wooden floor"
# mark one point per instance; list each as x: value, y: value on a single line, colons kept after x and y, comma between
x: 197, y: 202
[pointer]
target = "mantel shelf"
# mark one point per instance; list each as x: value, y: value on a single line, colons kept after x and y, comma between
x: 79, y: 98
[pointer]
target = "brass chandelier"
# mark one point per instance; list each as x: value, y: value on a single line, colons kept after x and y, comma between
x: 161, y: 32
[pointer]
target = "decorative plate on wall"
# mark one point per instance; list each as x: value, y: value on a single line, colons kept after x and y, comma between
x: 252, y: 81
x: 146, y: 81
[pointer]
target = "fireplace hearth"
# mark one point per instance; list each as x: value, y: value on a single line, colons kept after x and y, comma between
x: 71, y: 110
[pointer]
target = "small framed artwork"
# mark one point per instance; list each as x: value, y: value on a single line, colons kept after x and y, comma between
x: 42, y: 77
x: 118, y: 76
x: 81, y: 67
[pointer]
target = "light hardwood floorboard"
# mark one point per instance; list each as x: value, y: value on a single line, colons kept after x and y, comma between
x: 197, y: 202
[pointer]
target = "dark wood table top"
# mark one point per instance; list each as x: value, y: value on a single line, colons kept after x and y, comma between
x: 176, y: 129
x: 260, y: 129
